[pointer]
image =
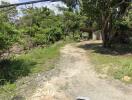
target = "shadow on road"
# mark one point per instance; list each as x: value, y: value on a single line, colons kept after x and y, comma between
x: 115, y: 50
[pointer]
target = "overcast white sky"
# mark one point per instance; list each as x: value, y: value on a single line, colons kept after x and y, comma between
x: 51, y: 5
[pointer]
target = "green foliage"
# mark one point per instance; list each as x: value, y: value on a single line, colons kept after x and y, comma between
x: 39, y: 59
x: 72, y: 20
x: 42, y: 26
x: 35, y: 61
x: 125, y: 70
x: 106, y: 13
x: 102, y: 8
x: 12, y: 69
x: 8, y: 32
x: 72, y: 23
x: 7, y: 90
x: 8, y: 35
x: 111, y: 63
x: 127, y: 20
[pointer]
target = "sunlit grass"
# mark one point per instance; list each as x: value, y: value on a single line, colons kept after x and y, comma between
x: 113, y: 65
x: 41, y: 56
x: 35, y: 61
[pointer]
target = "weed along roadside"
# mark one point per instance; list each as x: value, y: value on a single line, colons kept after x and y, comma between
x: 38, y: 60
x: 109, y: 62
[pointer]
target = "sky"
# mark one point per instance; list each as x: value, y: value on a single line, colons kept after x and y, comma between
x: 12, y: 1
x: 51, y: 5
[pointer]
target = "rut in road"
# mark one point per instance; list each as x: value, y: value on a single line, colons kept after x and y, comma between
x: 77, y: 78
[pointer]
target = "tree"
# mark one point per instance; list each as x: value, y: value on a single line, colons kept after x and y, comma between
x: 72, y: 22
x: 42, y: 25
x: 106, y: 13
x: 8, y: 32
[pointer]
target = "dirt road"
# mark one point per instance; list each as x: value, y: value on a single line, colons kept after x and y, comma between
x: 77, y: 78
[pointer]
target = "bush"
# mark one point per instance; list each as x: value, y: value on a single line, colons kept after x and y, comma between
x: 8, y: 36
x: 12, y: 69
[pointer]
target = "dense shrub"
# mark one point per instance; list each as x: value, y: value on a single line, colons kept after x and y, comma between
x: 12, y: 69
x: 43, y: 26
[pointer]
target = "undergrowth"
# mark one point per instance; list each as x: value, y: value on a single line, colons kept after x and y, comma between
x: 35, y: 61
x: 110, y: 62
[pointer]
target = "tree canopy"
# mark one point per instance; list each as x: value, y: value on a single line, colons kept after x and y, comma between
x: 106, y: 13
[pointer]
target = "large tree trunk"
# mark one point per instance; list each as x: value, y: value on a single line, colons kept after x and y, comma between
x: 106, y: 40
x: 106, y: 31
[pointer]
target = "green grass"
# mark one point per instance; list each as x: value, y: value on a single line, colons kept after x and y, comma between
x: 106, y: 61
x: 35, y: 61
x: 7, y: 91
x: 42, y: 56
